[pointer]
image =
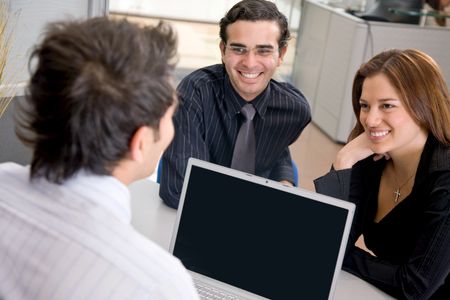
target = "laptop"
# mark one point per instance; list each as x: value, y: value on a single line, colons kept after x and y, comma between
x: 246, y: 237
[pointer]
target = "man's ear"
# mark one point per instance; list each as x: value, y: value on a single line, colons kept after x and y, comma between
x: 138, y: 143
x: 222, y: 48
x: 282, y: 54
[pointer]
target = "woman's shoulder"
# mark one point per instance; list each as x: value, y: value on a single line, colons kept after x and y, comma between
x: 437, y: 174
x: 440, y: 157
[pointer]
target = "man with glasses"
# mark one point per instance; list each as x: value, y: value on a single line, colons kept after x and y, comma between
x: 234, y: 114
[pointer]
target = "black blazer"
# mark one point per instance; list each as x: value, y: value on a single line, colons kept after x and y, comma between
x: 412, y: 242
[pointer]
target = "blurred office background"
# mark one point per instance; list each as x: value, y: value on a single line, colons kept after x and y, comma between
x: 329, y: 42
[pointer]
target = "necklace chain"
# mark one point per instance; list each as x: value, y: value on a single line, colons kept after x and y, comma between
x: 397, y: 191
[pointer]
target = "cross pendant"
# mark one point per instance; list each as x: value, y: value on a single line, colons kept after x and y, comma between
x: 397, y: 195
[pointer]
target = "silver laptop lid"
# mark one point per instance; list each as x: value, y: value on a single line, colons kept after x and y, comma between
x: 275, y: 241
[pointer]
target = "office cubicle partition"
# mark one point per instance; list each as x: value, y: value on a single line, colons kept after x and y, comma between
x: 27, y: 20
x: 331, y: 46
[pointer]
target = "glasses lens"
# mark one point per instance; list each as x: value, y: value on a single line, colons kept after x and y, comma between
x: 260, y: 51
x: 238, y: 50
x: 264, y: 51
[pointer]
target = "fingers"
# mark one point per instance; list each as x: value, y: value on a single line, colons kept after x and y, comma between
x: 380, y: 156
x: 356, y: 150
x: 286, y: 183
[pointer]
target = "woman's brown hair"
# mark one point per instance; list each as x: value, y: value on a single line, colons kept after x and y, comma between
x: 419, y: 82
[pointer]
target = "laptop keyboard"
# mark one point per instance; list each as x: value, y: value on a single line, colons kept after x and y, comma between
x: 209, y: 292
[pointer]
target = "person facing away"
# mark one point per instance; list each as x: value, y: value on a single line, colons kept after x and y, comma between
x: 254, y: 36
x: 396, y: 169
x: 98, y: 116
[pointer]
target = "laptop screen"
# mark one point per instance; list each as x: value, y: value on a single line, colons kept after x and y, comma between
x: 265, y: 240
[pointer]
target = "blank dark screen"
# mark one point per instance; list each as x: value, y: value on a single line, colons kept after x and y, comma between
x: 273, y: 243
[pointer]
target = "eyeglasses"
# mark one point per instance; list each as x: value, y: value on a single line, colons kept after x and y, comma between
x: 262, y: 51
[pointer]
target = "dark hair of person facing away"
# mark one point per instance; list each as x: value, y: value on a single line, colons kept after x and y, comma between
x: 95, y: 83
x: 420, y: 85
x: 255, y: 10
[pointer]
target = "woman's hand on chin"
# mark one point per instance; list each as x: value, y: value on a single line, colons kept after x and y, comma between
x: 379, y: 156
x: 357, y: 149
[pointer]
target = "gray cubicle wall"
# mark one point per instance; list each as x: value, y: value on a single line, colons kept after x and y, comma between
x: 11, y: 149
x: 26, y: 23
x: 332, y: 45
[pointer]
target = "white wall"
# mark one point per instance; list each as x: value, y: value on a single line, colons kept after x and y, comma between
x: 27, y: 21
x: 210, y: 11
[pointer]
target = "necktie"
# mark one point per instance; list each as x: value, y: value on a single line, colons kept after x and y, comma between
x: 245, y: 146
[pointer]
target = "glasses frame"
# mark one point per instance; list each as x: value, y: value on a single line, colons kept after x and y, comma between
x: 259, y: 50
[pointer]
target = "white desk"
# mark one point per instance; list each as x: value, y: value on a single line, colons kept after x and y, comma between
x: 155, y: 220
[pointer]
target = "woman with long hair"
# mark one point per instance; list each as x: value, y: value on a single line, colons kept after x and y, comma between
x: 396, y: 169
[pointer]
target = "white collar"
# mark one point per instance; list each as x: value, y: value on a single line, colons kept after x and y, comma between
x: 102, y: 191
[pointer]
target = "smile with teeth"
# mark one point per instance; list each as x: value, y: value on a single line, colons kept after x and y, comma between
x: 379, y: 133
x: 250, y: 75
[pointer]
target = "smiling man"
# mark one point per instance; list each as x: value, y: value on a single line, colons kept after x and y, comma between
x: 211, y: 123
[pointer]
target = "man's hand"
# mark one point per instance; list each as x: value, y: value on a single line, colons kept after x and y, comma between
x: 285, y: 182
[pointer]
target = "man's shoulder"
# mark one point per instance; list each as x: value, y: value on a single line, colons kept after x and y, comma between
x: 11, y: 167
x: 161, y: 269
x: 10, y: 171
x: 201, y: 86
x: 290, y: 97
x: 154, y: 253
x: 204, y: 76
x: 14, y: 184
x: 287, y: 90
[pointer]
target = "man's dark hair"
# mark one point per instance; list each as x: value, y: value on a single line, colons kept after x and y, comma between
x: 95, y: 83
x: 255, y: 10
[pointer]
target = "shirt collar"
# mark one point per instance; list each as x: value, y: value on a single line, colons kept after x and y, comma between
x: 234, y: 101
x: 105, y: 192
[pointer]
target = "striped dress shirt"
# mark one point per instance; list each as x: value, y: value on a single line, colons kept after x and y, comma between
x: 75, y: 241
x: 207, y: 123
